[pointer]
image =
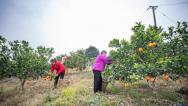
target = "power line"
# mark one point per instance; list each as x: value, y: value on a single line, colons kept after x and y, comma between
x: 142, y: 15
x: 172, y: 4
x: 155, y: 8
x: 166, y: 16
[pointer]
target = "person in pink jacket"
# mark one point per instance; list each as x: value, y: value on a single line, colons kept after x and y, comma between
x: 98, y: 67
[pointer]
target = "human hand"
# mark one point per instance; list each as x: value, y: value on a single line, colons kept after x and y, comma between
x: 50, y: 74
x: 109, y: 61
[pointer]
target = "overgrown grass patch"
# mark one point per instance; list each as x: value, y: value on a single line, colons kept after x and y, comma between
x: 8, y: 89
x: 170, y: 95
x: 143, y: 95
x: 114, y: 89
x: 102, y: 99
x: 143, y: 85
x: 66, y: 97
x: 135, y: 95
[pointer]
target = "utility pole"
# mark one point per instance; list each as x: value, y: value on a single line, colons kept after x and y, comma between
x: 153, y: 9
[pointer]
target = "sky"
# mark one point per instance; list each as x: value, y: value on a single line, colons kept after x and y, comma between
x: 69, y: 25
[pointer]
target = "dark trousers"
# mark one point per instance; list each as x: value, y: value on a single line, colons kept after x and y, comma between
x: 97, y: 81
x: 56, y: 81
x: 57, y: 78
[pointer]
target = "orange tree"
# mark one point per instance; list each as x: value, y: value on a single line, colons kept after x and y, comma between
x: 27, y: 62
x: 81, y: 58
x: 147, y: 45
x: 175, y: 48
x: 123, y: 59
x: 4, y: 58
x: 135, y: 59
x: 78, y: 59
x: 150, y: 52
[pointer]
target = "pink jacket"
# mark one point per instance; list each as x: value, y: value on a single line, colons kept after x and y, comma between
x: 100, y: 62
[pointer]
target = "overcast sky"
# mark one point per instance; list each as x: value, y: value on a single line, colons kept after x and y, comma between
x: 69, y: 25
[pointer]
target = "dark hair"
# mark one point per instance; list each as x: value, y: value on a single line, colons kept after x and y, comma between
x: 103, y: 51
x: 52, y: 60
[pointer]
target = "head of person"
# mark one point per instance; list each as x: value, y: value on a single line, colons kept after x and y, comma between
x: 103, y: 52
x: 53, y: 60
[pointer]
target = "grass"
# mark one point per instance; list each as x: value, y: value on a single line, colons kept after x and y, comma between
x: 77, y: 90
x: 115, y: 89
x: 170, y: 95
x: 144, y: 96
x: 80, y: 93
x: 136, y: 95
x: 33, y: 95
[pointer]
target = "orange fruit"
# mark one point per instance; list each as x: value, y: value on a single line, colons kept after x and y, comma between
x: 154, y: 43
x: 151, y: 44
x: 140, y: 49
x: 165, y: 77
x: 152, y: 79
x: 147, y: 78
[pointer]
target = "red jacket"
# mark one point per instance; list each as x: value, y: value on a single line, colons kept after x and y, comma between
x: 58, y: 67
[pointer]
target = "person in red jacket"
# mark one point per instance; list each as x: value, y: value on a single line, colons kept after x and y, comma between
x: 60, y: 70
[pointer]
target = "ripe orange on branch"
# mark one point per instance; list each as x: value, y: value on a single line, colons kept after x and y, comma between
x: 152, y: 79
x: 140, y: 49
x: 149, y: 78
x: 152, y: 44
x: 165, y: 77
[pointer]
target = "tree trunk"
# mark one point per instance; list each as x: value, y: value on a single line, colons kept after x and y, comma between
x: 22, y: 83
x: 104, y: 84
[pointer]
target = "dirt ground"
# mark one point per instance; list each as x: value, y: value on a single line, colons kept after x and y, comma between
x: 77, y: 90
